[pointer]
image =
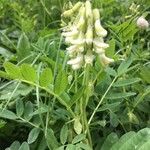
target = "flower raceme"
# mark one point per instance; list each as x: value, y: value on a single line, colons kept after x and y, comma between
x: 84, y: 34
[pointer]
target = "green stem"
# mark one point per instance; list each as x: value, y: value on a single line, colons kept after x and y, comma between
x: 95, y: 110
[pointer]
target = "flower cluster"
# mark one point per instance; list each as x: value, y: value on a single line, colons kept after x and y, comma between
x: 142, y: 23
x: 84, y: 33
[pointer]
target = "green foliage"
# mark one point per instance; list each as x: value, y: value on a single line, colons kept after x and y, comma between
x: 128, y: 141
x: 44, y: 104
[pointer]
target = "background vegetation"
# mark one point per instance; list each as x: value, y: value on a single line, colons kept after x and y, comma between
x: 38, y: 92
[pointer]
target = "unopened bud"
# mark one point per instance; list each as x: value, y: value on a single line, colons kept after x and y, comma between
x: 89, y: 35
x: 88, y: 9
x: 77, y: 6
x: 96, y: 14
x: 100, y: 31
x: 69, y: 13
x: 105, y: 60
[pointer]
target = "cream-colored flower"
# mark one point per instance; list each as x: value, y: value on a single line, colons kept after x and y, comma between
x: 100, y: 31
x: 73, y: 32
x: 98, y: 43
x: 105, y: 60
x: 88, y: 9
x: 99, y: 50
x: 89, y: 59
x: 76, y: 60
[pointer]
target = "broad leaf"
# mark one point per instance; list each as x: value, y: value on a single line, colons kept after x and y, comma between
x: 12, y: 70
x: 24, y: 146
x: 46, y: 77
x: 33, y: 135
x: 7, y: 114
x: 60, y: 83
x: 23, y: 48
x: 64, y: 134
x: 28, y: 73
x: 19, y: 107
x: 126, y: 82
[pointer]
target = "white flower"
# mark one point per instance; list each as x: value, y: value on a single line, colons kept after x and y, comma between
x: 99, y: 50
x: 98, y: 43
x: 76, y: 60
x: 142, y: 23
x: 100, y: 31
x: 77, y: 41
x: 73, y: 32
x: 74, y: 49
x: 76, y: 66
x: 105, y: 60
x: 89, y: 35
x: 88, y: 9
x: 89, y: 59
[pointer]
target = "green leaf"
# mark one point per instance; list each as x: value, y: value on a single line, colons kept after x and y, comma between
x: 84, y: 146
x: 23, y: 48
x: 2, y: 123
x: 64, y: 134
x: 111, y: 107
x: 71, y: 147
x: 60, y: 83
x: 4, y: 75
x: 28, y: 73
x: 145, y: 74
x: 24, y: 146
x: 78, y: 138
x: 51, y: 140
x: 19, y: 107
x: 132, y: 140
x: 7, y: 114
x: 33, y: 135
x: 42, y: 144
x: 110, y: 140
x: 111, y: 71
x: 61, y: 148
x: 12, y: 70
x: 119, y: 95
x: 113, y: 119
x: 46, y: 77
x: 124, y: 66
x: 28, y: 110
x: 122, y: 140
x: 126, y: 82
x: 76, y: 96
x: 14, y: 146
x: 111, y: 49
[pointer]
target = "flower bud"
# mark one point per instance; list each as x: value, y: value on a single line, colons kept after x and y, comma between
x: 142, y: 23
x: 89, y: 35
x: 99, y: 44
x: 76, y: 60
x: 89, y: 58
x: 88, y: 8
x: 76, y: 66
x: 96, y: 14
x: 69, y: 13
x: 71, y: 33
x: 100, y: 31
x: 77, y: 6
x: 81, y: 22
x: 105, y: 60
x: 99, y: 50
x: 80, y: 40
